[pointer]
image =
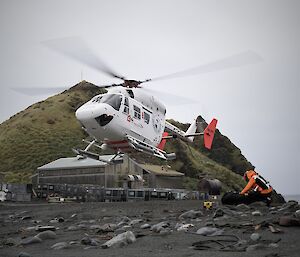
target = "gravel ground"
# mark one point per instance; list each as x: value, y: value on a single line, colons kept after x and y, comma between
x: 82, y: 229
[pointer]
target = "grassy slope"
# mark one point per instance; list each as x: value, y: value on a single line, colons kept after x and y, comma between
x: 48, y: 130
x: 41, y: 133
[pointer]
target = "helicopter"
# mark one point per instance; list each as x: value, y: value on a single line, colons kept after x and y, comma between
x: 125, y: 118
x: 128, y: 118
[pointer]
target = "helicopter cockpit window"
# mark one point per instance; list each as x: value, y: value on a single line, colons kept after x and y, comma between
x: 96, y: 99
x: 112, y: 99
x: 126, y: 106
x: 137, y: 112
x: 146, y: 117
x: 130, y: 93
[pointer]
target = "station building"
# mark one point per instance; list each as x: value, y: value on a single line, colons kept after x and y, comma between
x: 124, y: 173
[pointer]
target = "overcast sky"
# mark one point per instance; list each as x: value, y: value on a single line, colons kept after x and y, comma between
x: 257, y: 105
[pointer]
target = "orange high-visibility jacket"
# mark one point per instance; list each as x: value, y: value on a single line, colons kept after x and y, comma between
x: 256, y: 183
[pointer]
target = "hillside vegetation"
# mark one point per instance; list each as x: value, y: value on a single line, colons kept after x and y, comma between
x: 49, y: 130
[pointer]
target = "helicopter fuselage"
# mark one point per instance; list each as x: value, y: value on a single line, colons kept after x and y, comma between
x: 110, y: 118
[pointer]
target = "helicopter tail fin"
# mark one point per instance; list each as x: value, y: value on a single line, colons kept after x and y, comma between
x: 191, y: 131
x: 163, y: 142
x: 209, y: 133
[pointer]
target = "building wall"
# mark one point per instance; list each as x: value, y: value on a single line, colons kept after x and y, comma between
x: 169, y: 182
x: 107, y: 176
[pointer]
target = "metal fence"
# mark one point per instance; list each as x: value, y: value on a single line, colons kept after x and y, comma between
x: 94, y: 193
x: 15, y: 192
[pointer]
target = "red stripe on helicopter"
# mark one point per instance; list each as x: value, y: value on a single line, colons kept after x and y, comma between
x: 116, y: 142
x: 162, y: 143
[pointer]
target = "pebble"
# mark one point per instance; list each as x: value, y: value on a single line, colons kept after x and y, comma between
x: 255, y: 247
x: 242, y: 207
x: 134, y: 222
x: 184, y: 227
x: 89, y: 241
x: 273, y: 245
x: 255, y: 237
x: 108, y: 227
x: 126, y: 228
x: 145, y: 226
x: 26, y: 218
x: 86, y: 241
x: 24, y: 254
x: 73, y: 228
x: 218, y: 213
x: 297, y: 214
x: 256, y: 213
x: 48, y: 234
x: 29, y: 229
x: 59, y: 246
x: 44, y: 228
x: 93, y: 227
x: 165, y: 231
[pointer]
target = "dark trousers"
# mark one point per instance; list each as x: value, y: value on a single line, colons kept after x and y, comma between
x: 234, y: 198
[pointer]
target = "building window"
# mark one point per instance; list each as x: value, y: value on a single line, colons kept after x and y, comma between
x: 131, y: 193
x: 137, y: 112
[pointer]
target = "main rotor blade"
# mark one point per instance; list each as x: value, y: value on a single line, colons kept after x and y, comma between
x: 77, y: 49
x: 237, y: 60
x: 36, y: 91
x: 168, y: 98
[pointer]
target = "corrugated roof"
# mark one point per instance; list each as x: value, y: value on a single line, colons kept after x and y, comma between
x: 75, y: 162
x: 161, y: 170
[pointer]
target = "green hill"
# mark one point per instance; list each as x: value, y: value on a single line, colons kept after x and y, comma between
x: 49, y: 130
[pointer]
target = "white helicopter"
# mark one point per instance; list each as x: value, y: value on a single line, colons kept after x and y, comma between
x: 127, y: 118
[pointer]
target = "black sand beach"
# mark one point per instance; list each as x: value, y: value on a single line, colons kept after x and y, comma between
x: 81, y: 229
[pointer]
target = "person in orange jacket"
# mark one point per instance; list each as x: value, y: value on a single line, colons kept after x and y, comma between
x: 257, y: 188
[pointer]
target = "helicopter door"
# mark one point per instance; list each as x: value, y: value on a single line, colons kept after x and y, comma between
x: 136, y: 124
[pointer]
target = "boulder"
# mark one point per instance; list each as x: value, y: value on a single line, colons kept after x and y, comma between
x: 120, y: 240
x: 31, y: 240
x: 159, y: 226
x: 209, y: 231
x: 48, y: 234
x: 192, y: 214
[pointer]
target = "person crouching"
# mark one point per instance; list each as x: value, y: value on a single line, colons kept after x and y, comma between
x: 257, y: 188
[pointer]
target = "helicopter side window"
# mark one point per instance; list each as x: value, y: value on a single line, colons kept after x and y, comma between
x: 146, y: 117
x: 126, y: 106
x: 113, y: 100
x: 137, y: 112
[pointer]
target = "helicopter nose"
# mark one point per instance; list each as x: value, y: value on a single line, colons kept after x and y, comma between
x: 99, y: 113
x: 83, y: 113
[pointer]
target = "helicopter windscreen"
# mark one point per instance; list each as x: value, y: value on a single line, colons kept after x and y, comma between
x: 112, y: 99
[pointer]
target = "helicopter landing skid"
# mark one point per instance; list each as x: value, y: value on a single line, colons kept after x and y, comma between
x: 149, y: 149
x: 117, y: 158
